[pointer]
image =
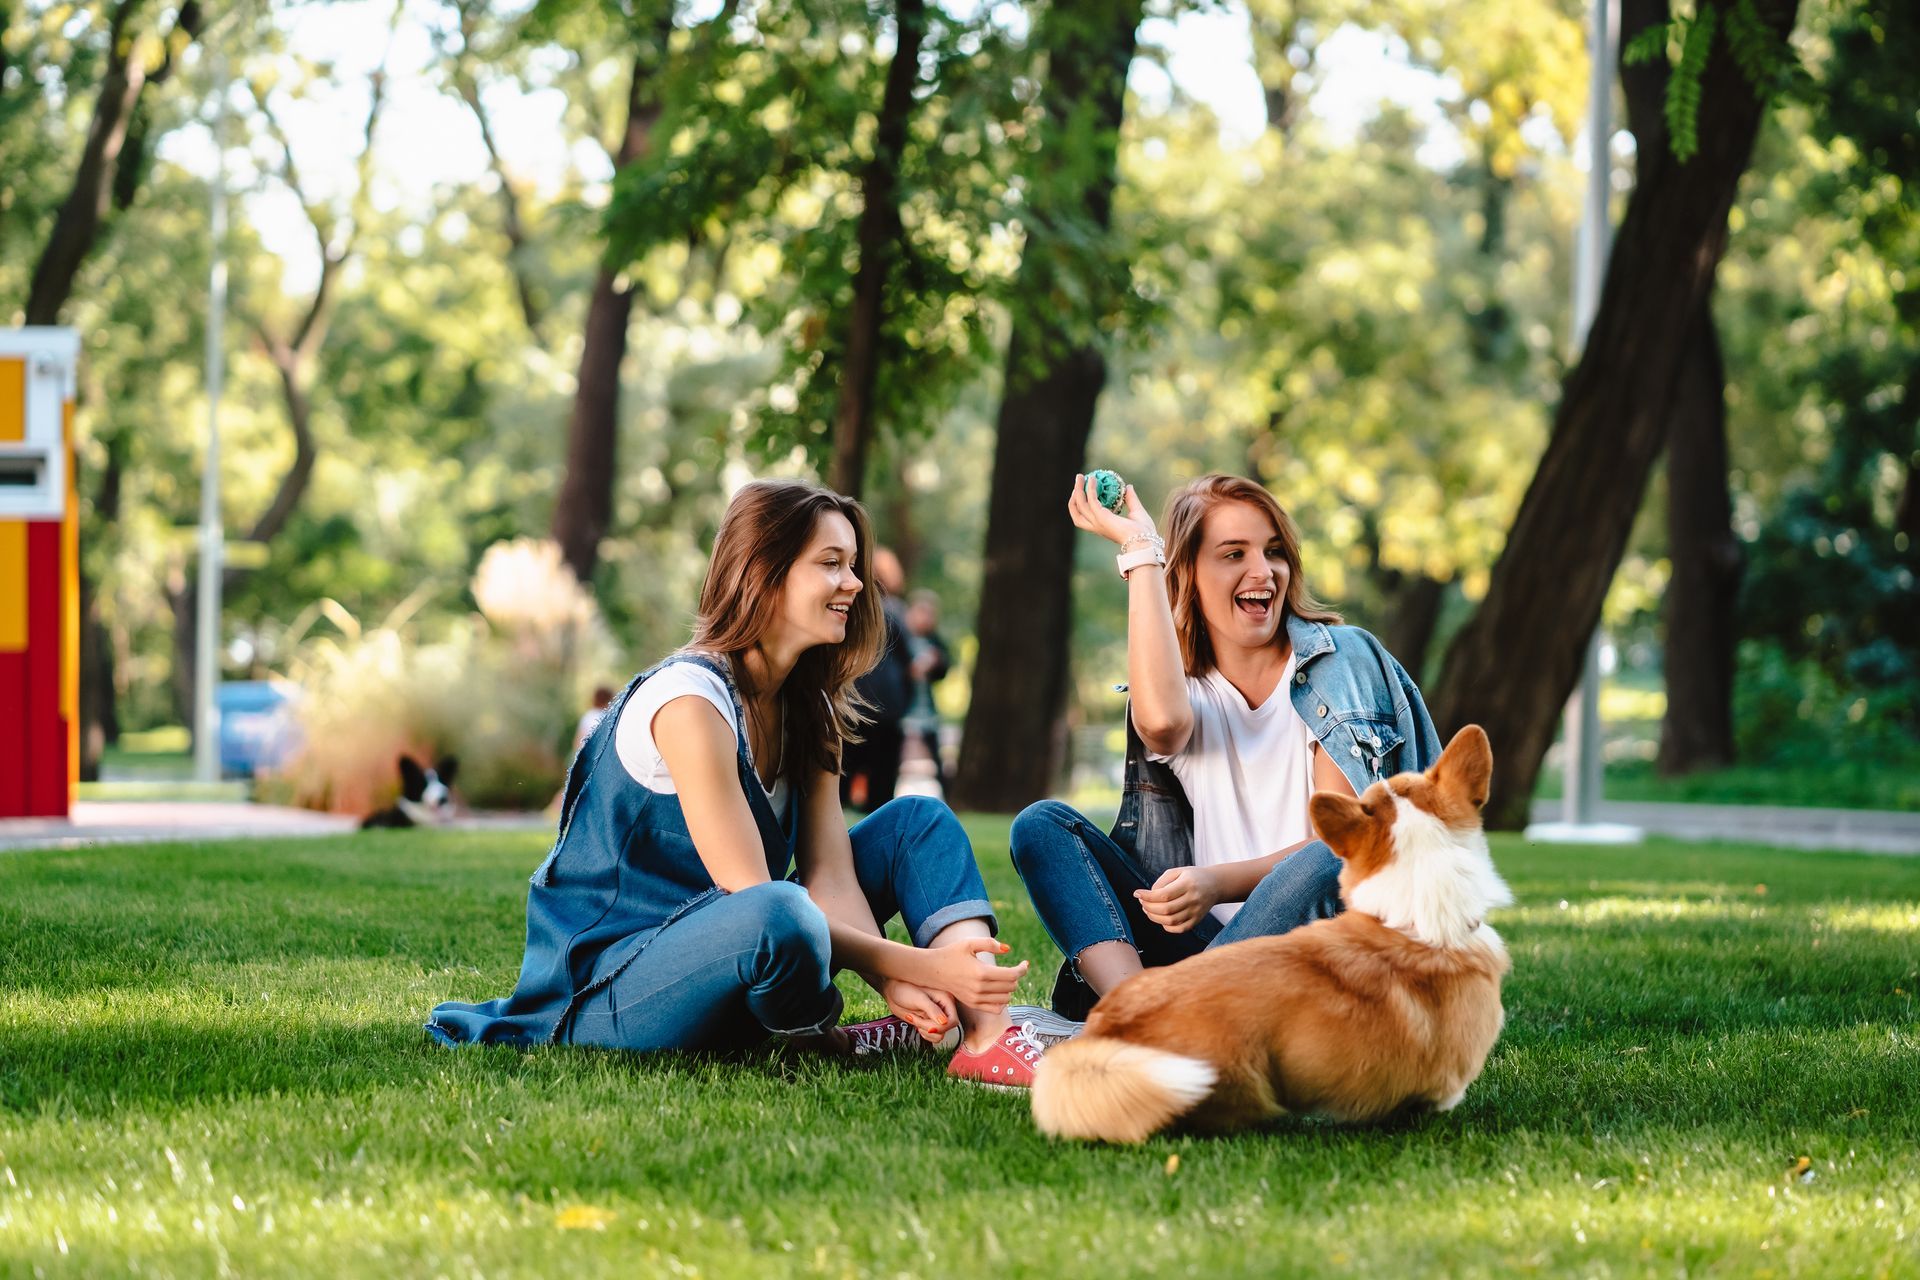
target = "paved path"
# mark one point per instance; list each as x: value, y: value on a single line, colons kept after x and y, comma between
x: 121, y: 822
x: 98, y: 822
x: 1865, y: 830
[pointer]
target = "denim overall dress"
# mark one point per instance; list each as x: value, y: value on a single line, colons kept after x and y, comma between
x: 622, y: 868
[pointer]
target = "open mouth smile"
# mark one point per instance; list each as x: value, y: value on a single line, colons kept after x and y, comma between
x: 1254, y: 604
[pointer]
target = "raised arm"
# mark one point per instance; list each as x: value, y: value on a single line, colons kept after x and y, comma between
x: 1156, y: 675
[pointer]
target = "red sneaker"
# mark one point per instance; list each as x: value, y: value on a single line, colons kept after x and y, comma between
x: 1006, y: 1064
x: 891, y: 1034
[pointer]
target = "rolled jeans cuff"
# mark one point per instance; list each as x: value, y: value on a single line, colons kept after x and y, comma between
x: 968, y: 909
x: 835, y: 1006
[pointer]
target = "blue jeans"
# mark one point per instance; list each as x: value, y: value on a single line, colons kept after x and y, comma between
x: 1082, y: 886
x: 740, y: 966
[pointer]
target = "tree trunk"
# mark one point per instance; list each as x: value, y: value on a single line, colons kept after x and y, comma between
x: 1409, y: 604
x: 1702, y: 631
x: 1054, y: 375
x: 1413, y: 611
x: 1906, y: 520
x: 77, y: 225
x: 97, y: 181
x: 1275, y: 41
x: 879, y: 244
x: 583, y: 512
x: 1906, y: 516
x: 100, y: 183
x: 1513, y: 666
x: 186, y: 631
x: 99, y: 714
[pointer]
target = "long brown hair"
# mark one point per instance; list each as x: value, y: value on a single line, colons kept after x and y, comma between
x: 1186, y: 515
x: 765, y: 530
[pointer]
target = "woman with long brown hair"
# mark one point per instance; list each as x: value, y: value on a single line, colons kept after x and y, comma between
x: 1247, y: 695
x: 704, y: 886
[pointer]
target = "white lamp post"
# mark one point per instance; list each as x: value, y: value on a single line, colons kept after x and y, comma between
x: 1583, y: 763
x: 212, y: 539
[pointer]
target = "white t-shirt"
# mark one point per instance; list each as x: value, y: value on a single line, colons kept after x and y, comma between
x: 633, y: 734
x: 1248, y: 771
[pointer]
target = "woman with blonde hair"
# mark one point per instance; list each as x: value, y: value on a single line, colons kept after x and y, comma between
x: 1247, y: 695
x: 704, y: 886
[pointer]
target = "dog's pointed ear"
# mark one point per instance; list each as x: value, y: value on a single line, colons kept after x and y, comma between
x: 1465, y: 768
x: 1337, y: 818
x: 448, y: 766
x: 413, y: 779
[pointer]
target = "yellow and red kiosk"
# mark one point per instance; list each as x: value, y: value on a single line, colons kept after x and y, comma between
x: 39, y: 574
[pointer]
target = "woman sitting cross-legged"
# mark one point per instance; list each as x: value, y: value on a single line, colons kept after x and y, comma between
x: 664, y: 917
x: 1246, y: 697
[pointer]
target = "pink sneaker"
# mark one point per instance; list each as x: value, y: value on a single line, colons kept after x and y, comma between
x: 891, y: 1034
x: 1005, y: 1064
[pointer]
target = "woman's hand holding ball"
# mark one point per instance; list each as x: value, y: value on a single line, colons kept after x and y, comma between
x: 1088, y: 513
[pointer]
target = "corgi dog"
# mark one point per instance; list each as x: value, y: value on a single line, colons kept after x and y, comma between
x: 1390, y: 1007
x: 426, y: 796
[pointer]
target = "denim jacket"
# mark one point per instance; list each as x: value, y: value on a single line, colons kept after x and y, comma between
x: 1360, y: 705
x: 622, y: 868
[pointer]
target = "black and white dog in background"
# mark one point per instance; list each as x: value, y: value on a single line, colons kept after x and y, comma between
x: 425, y: 799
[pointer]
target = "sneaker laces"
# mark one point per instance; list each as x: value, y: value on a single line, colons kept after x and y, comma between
x: 1025, y: 1041
x: 882, y: 1036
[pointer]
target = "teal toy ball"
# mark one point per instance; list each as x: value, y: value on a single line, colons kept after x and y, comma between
x: 1110, y: 490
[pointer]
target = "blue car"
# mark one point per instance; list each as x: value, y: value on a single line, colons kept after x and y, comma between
x: 258, y: 730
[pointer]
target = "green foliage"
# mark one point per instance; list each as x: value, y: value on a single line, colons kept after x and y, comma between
x: 1766, y: 62
x: 1829, y: 599
x: 1796, y: 712
x: 766, y: 142
x: 1376, y: 334
x: 229, y: 1035
x: 1683, y: 89
x: 1648, y: 45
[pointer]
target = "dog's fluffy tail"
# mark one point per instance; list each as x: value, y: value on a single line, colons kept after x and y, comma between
x: 1111, y: 1090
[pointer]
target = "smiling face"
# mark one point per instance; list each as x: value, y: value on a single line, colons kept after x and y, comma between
x: 1240, y: 576
x: 821, y: 586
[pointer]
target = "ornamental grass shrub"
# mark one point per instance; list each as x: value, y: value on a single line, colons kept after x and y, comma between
x: 501, y: 688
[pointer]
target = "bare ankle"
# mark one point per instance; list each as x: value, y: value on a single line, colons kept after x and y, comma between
x: 983, y: 1029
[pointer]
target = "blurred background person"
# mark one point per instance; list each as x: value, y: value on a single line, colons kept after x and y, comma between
x: 928, y: 661
x: 590, y: 718
x: 870, y: 768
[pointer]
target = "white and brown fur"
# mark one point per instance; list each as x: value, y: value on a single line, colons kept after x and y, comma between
x: 425, y: 799
x: 1390, y: 1007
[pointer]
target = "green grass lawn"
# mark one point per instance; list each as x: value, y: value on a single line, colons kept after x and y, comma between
x: 211, y: 1063
x: 1848, y: 783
